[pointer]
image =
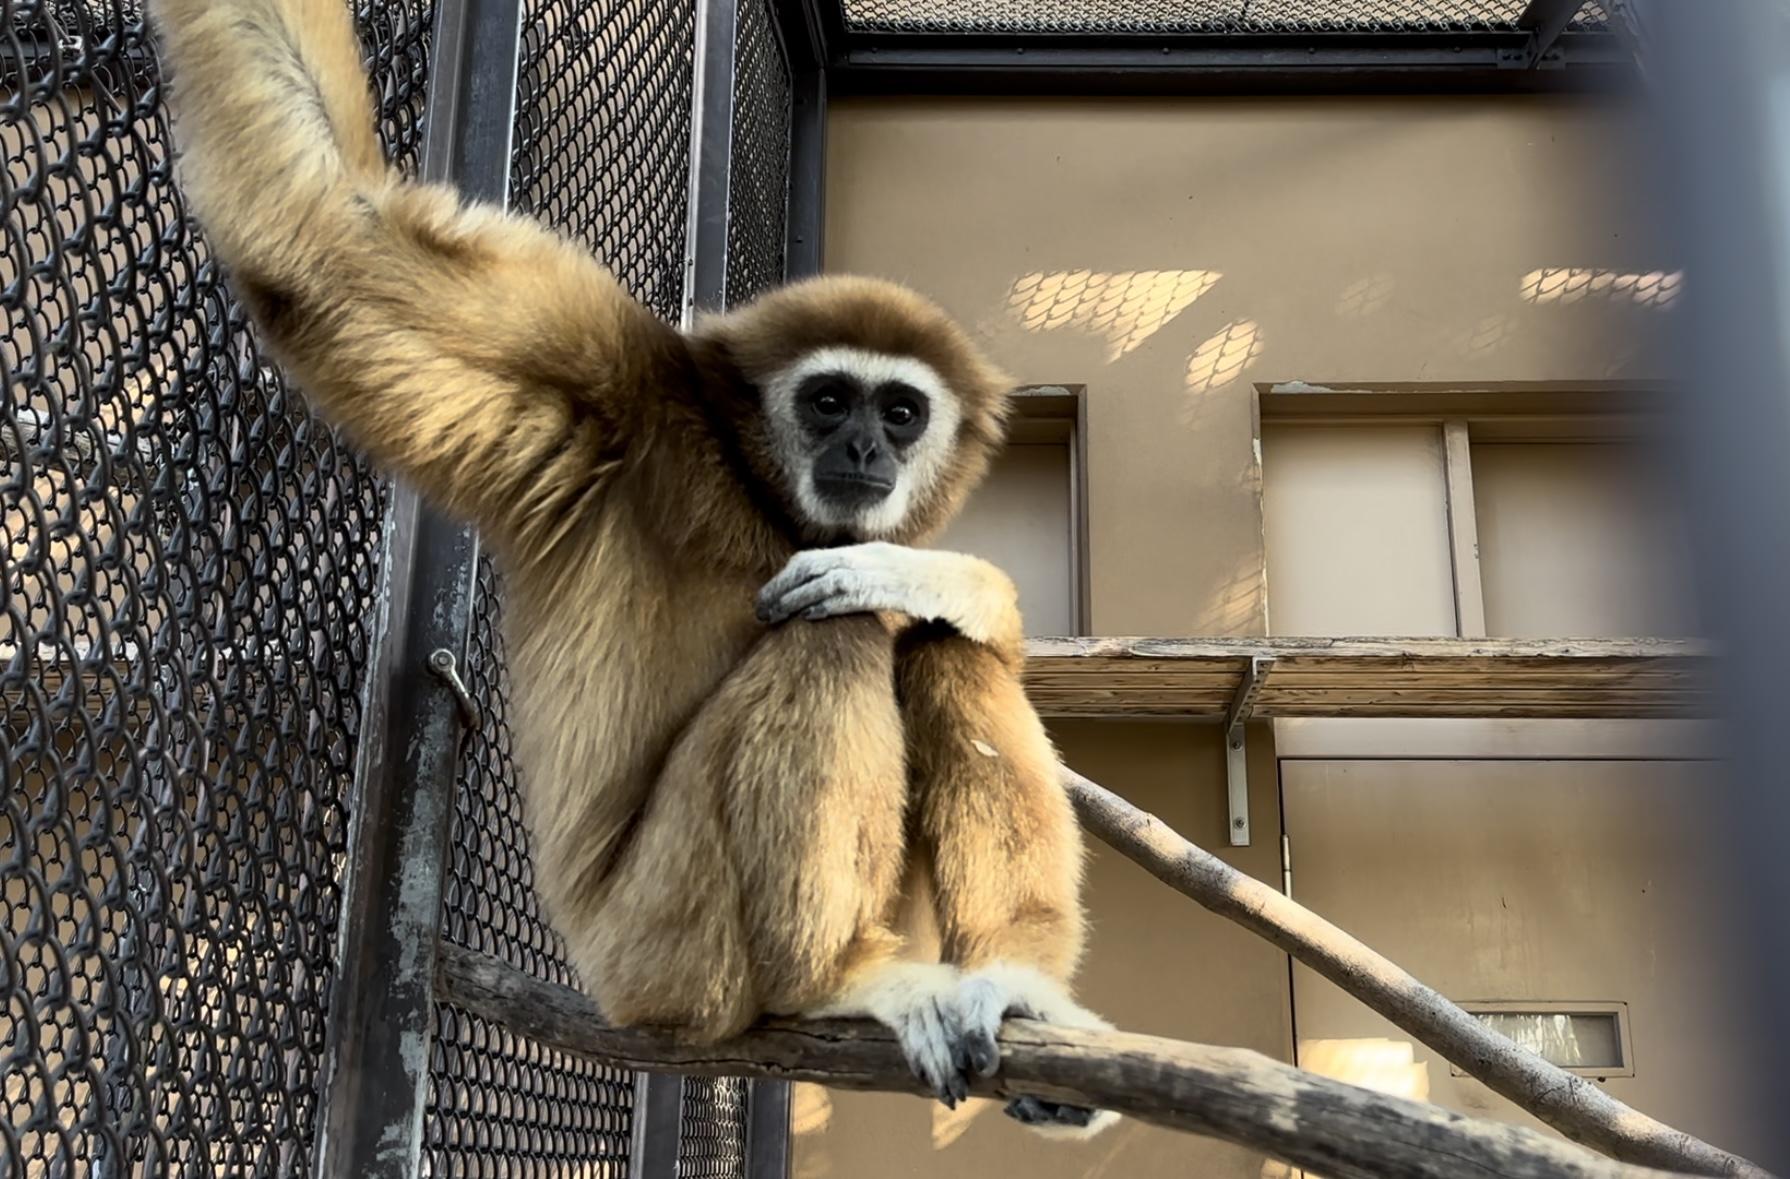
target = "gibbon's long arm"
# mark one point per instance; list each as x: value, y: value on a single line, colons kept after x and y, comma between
x: 477, y: 354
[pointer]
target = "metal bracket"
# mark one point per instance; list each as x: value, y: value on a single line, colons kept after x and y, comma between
x: 1236, y: 753
x: 447, y: 669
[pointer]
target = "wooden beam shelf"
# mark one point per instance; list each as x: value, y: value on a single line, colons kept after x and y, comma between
x: 1199, y: 679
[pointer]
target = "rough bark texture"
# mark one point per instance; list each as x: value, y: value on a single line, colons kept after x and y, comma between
x: 1336, y: 1130
x: 1571, y: 1104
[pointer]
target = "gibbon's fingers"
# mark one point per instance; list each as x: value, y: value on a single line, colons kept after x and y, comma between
x: 967, y: 593
x: 921, y: 1003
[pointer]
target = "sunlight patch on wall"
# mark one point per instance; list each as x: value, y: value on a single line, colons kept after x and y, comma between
x: 1570, y: 284
x: 1224, y: 356
x: 1385, y: 1066
x: 1124, y: 308
x: 1364, y: 297
x: 1486, y: 336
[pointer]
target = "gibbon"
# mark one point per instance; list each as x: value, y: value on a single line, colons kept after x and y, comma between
x: 745, y: 707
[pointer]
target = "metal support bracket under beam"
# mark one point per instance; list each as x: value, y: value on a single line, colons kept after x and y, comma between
x: 1236, y: 750
x: 1545, y: 20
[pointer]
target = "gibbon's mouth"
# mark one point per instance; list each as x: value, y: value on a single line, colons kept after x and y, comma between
x: 856, y: 490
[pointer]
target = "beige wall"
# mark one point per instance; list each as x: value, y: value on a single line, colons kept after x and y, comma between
x: 1169, y: 254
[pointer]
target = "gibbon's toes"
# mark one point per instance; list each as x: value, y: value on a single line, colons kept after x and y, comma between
x: 984, y: 1005
x: 1056, y: 1119
x: 929, y: 1033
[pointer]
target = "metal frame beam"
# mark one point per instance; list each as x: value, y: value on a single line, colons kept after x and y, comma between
x: 376, y: 1066
x: 1469, y: 63
x: 1546, y: 20
x: 806, y: 35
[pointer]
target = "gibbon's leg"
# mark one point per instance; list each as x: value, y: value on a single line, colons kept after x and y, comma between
x: 1004, y: 844
x: 765, y: 873
x: 997, y: 826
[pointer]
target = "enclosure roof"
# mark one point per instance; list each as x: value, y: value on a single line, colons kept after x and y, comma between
x: 1070, y: 17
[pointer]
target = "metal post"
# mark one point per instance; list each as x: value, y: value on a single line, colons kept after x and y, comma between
x: 767, y: 1130
x: 658, y: 1123
x: 711, y: 157
x: 382, y: 1013
x: 803, y: 31
x: 1722, y: 76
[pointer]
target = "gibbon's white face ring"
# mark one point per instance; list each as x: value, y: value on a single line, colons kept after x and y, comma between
x: 922, y: 464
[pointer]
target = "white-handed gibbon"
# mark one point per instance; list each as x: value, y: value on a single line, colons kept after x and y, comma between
x: 745, y: 707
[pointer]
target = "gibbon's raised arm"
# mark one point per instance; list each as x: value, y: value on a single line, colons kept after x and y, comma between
x: 476, y: 354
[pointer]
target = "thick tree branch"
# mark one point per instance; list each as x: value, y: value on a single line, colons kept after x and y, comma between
x: 1571, y: 1104
x: 1335, y: 1129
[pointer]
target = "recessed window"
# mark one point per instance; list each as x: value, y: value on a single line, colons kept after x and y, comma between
x: 1027, y: 516
x: 1586, y: 1038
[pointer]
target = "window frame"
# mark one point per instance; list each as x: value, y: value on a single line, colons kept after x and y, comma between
x: 1615, y: 1008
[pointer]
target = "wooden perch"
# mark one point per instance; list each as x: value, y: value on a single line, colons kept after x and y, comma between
x: 1571, y: 1104
x: 1337, y: 1130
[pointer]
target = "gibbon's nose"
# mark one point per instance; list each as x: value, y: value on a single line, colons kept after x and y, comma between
x: 862, y: 451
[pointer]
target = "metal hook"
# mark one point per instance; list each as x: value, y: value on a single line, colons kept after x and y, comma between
x: 443, y: 664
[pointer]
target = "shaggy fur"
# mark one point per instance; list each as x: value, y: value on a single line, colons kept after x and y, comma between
x: 722, y: 812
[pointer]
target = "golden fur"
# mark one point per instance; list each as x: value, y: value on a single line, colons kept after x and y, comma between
x: 722, y: 813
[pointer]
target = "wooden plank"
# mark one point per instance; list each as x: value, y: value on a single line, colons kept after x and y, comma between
x: 1239, y: 650
x: 1458, y: 677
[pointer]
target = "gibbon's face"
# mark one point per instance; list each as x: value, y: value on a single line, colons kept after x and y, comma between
x: 860, y: 404
x: 860, y: 436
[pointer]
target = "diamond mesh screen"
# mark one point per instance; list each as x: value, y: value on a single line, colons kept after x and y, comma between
x: 187, y: 566
x: 499, y: 1103
x: 1186, y: 16
x: 601, y: 150
x: 712, y: 1128
x: 758, y: 196
x: 602, y: 146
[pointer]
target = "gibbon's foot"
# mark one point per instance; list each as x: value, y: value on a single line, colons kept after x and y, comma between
x: 1053, y: 1119
x: 923, y: 1004
x: 1004, y: 990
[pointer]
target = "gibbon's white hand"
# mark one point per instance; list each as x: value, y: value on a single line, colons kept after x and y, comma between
x: 965, y: 592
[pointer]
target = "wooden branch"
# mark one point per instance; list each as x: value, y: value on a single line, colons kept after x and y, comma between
x: 1571, y: 1104
x: 1338, y: 1130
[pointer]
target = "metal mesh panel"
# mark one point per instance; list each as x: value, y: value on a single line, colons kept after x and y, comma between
x: 187, y: 566
x: 712, y: 1129
x: 502, y: 1105
x: 601, y: 151
x: 758, y: 197
x: 499, y: 1103
x: 1185, y: 16
x: 602, y: 146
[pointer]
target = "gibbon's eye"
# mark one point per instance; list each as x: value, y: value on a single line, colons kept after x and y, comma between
x: 902, y: 413
x: 828, y: 403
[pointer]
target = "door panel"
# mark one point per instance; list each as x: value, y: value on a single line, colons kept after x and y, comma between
x: 1524, y: 882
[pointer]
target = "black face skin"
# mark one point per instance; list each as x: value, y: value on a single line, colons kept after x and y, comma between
x: 859, y: 436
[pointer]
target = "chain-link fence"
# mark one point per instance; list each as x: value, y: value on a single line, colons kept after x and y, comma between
x: 190, y: 578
